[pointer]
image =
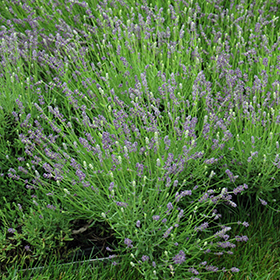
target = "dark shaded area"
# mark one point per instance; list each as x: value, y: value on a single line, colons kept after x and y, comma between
x: 90, y: 244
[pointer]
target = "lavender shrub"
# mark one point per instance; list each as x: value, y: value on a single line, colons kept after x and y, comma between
x: 161, y: 115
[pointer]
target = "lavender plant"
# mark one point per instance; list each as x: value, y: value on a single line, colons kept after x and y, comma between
x: 160, y: 115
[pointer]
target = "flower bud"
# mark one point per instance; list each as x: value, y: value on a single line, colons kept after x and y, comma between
x: 158, y: 162
x: 66, y: 191
x: 156, y: 136
x: 145, y: 178
x: 125, y: 149
x: 147, y: 140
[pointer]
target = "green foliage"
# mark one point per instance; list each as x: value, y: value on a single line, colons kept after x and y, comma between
x: 43, y: 230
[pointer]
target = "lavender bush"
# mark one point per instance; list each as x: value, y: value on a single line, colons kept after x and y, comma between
x: 144, y: 117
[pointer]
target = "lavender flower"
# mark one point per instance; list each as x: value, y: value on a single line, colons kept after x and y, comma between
x: 194, y: 271
x: 241, y: 238
x: 263, y: 202
x: 128, y: 242
x: 27, y: 248
x: 11, y: 230
x: 201, y: 227
x: 245, y: 224
x: 169, y: 206
x: 122, y: 204
x: 211, y: 268
x: 180, y: 258
x: 165, y: 235
x: 145, y: 258
x: 51, y: 206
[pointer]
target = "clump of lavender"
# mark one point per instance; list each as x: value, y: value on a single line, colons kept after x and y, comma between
x: 166, y: 100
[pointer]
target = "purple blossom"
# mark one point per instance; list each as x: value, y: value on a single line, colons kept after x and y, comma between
x: 27, y: 248
x: 156, y: 217
x: 201, y: 227
x: 81, y: 175
x: 222, y: 232
x: 167, y: 142
x: 138, y: 223
x: 180, y: 258
x: 194, y: 271
x: 239, y: 189
x: 11, y: 230
x: 51, y: 206
x: 211, y: 268
x: 182, y: 194
x: 167, y: 232
x: 234, y: 269
x: 128, y: 242
x: 145, y: 258
x: 230, y: 175
x: 241, y: 238
x: 175, y: 183
x: 226, y: 244
x: 111, y: 186
x: 122, y: 204
x: 263, y: 202
x: 112, y: 256
x: 245, y: 224
x: 169, y: 206
x: 181, y: 214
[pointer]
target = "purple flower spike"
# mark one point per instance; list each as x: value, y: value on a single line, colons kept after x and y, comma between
x: 145, y: 258
x: 128, y: 242
x: 27, y: 248
x: 156, y: 217
x: 169, y: 206
x: 234, y: 269
x: 245, y: 224
x: 167, y: 232
x: 180, y: 258
x: 11, y: 230
x: 263, y: 202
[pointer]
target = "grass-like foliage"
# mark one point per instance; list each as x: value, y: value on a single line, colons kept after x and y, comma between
x: 138, y: 127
